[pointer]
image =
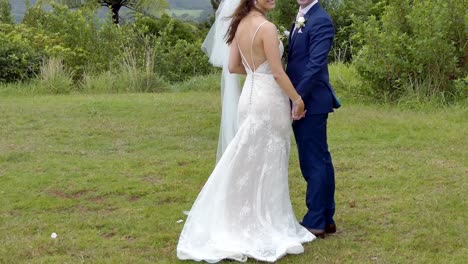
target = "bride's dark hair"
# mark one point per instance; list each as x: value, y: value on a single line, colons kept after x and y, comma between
x: 244, y: 8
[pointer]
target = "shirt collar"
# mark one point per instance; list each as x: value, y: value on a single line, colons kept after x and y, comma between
x: 307, y: 8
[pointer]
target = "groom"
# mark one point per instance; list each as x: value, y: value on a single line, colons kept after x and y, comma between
x: 309, y: 44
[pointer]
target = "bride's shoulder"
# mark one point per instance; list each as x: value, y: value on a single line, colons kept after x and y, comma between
x: 269, y: 29
x: 268, y: 25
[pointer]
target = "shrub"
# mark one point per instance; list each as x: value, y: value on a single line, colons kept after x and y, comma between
x: 140, y: 78
x: 284, y: 13
x: 171, y: 29
x: 104, y: 82
x: 416, y: 48
x: 5, y: 12
x: 135, y: 73
x: 143, y: 55
x: 55, y: 79
x: 347, y: 83
x: 123, y: 82
x: 178, y: 54
x: 181, y: 60
x: 345, y: 15
x: 84, y: 43
x: 210, y: 82
x: 19, y: 60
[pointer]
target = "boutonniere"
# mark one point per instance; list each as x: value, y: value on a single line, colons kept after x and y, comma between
x: 300, y: 23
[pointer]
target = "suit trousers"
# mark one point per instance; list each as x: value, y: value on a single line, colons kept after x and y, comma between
x: 317, y: 169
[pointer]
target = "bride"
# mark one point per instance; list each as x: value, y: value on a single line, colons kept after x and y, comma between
x: 244, y: 209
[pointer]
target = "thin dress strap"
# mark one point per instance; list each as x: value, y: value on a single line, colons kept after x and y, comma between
x: 251, y: 45
x: 244, y: 60
x: 251, y: 49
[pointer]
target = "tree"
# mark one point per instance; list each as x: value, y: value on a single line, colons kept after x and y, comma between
x: 5, y: 11
x: 140, y: 6
x: 285, y: 13
x: 215, y: 4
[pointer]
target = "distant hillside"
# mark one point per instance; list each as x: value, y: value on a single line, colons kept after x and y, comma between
x: 185, y: 9
x: 197, y: 10
x: 190, y: 4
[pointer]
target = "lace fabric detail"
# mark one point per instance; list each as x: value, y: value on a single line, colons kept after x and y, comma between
x: 244, y: 210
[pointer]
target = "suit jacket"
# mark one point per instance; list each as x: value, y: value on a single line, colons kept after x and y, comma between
x: 308, y: 61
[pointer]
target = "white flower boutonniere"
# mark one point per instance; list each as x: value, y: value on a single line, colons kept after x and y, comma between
x: 300, y: 23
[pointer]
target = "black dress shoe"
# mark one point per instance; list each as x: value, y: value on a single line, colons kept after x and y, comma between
x: 317, y: 232
x: 330, y: 229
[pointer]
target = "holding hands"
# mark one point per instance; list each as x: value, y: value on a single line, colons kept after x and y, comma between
x: 298, y: 109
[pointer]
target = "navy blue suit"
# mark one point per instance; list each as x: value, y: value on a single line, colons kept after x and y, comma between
x: 308, y: 70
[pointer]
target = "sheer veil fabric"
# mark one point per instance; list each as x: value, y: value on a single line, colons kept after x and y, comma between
x: 217, y: 51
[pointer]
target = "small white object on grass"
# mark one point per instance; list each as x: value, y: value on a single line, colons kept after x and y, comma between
x: 179, y: 221
x: 53, y: 235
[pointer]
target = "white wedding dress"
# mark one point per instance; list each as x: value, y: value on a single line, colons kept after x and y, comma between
x: 244, y: 209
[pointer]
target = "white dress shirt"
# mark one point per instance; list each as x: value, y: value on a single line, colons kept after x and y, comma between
x: 304, y: 11
x: 307, y: 8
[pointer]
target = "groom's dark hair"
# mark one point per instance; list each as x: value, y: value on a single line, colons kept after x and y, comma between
x: 244, y: 8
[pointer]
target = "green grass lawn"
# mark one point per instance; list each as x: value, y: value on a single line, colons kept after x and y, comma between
x: 112, y: 174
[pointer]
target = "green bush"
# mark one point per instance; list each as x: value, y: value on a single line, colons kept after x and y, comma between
x: 345, y: 15
x: 140, y: 76
x: 19, y: 60
x: 135, y: 73
x: 347, y: 83
x: 210, y: 82
x: 415, y: 48
x: 461, y: 88
x: 104, y: 82
x: 167, y: 27
x: 5, y: 12
x: 123, y: 82
x: 87, y: 45
x: 177, y: 44
x: 284, y: 13
x: 182, y: 61
x: 55, y: 79
x: 84, y: 43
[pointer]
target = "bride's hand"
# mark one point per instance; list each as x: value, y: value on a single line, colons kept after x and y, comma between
x: 298, y: 110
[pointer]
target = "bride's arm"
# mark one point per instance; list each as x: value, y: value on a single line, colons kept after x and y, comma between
x: 270, y: 46
x: 235, y: 60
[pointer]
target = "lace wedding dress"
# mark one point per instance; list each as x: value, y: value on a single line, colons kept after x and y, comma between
x: 244, y: 209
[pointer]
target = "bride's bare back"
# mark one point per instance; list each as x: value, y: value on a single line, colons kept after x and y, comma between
x: 263, y: 48
x: 250, y: 29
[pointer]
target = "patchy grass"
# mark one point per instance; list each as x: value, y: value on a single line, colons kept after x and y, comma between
x: 111, y: 175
